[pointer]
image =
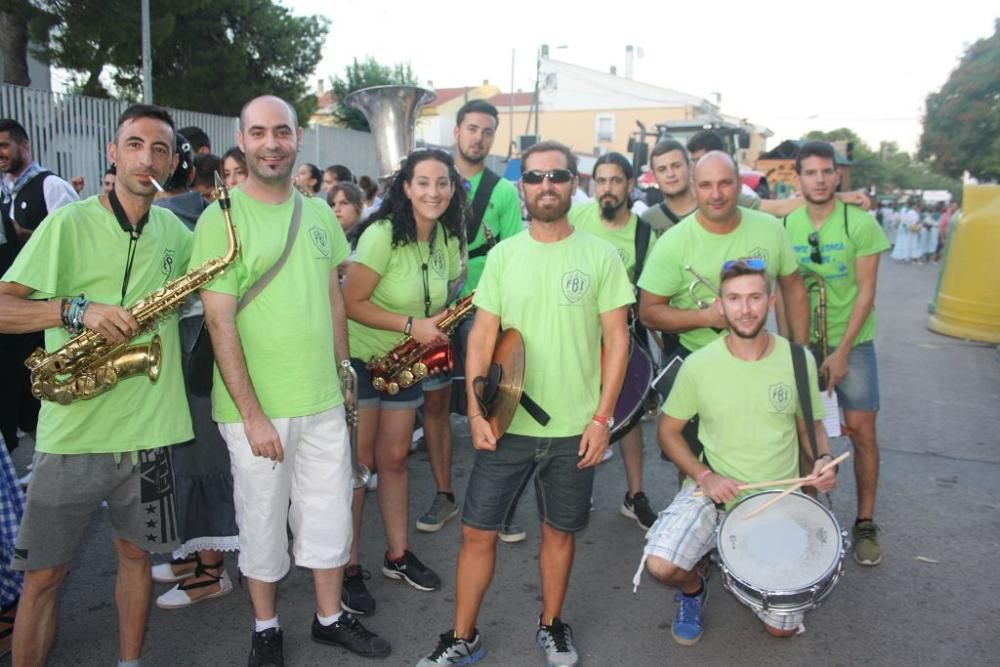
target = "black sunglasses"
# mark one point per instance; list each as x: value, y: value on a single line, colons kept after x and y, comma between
x: 554, y: 175
x: 816, y: 256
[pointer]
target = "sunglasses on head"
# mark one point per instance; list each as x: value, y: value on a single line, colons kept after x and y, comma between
x: 536, y: 176
x: 816, y: 256
x: 752, y: 263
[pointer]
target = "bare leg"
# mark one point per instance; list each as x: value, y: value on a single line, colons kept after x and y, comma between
x: 861, y: 427
x: 133, y: 592
x: 328, y: 584
x: 437, y: 435
x: 555, y: 561
x: 392, y: 446
x: 631, y: 446
x: 687, y: 581
x: 36, y: 615
x: 263, y: 596
x: 476, y: 562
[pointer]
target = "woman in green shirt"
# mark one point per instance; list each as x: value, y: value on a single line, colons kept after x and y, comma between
x: 397, y: 285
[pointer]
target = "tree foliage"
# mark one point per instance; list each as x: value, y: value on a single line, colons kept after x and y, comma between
x: 208, y: 55
x: 364, y: 74
x: 962, y: 120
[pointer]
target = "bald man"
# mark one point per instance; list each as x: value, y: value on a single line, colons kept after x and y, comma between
x: 276, y: 396
x: 719, y: 230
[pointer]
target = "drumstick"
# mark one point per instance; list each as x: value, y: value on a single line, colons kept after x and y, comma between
x: 840, y: 459
x: 762, y: 485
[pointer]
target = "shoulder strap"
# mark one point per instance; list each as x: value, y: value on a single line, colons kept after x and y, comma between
x: 265, y: 279
x: 488, y: 181
x: 642, y: 234
x: 847, y: 230
x: 803, y: 390
x: 667, y: 212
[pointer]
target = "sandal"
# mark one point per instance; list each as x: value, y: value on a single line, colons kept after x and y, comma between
x: 164, y: 572
x: 177, y: 597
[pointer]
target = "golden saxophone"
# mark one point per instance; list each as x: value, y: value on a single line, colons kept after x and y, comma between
x: 410, y: 361
x: 89, y: 365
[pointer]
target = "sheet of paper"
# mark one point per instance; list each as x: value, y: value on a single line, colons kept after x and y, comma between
x: 832, y: 420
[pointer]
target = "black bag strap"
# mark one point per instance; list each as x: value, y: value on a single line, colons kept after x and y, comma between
x: 642, y: 233
x: 803, y: 390
x: 488, y: 181
x: 667, y: 212
x: 265, y: 279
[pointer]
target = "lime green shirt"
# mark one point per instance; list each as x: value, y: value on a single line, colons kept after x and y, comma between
x: 502, y: 216
x: 286, y: 331
x: 81, y: 249
x: 688, y: 243
x: 554, y: 294
x: 840, y: 251
x: 746, y: 409
x: 400, y: 288
x: 588, y: 218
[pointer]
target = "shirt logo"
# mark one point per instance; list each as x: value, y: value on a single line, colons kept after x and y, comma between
x: 320, y: 239
x: 780, y: 395
x: 574, y: 285
x: 167, y: 265
x: 437, y: 262
x: 759, y: 253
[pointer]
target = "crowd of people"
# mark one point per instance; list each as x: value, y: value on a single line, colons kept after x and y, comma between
x: 918, y: 231
x: 244, y: 443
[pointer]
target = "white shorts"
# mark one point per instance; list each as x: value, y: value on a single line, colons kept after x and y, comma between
x: 310, y: 491
x: 684, y: 532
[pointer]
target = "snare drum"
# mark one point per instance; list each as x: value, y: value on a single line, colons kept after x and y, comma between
x: 785, y: 560
x: 632, y: 399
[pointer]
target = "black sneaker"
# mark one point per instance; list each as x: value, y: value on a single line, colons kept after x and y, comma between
x: 347, y: 632
x: 354, y: 597
x: 266, y: 650
x: 637, y: 507
x: 412, y: 571
x: 454, y: 651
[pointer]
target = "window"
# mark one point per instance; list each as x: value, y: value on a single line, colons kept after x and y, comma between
x: 605, y: 127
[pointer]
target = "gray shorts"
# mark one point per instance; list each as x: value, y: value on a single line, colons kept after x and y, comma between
x: 66, y: 490
x: 498, y: 478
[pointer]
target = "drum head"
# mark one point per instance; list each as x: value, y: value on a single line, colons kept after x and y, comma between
x: 792, y: 545
x: 632, y: 399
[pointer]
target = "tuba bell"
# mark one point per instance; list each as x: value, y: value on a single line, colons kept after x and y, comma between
x: 391, y: 112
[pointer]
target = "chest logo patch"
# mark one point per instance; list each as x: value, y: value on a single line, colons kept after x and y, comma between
x: 759, y: 253
x: 437, y: 262
x: 320, y: 239
x: 167, y: 265
x: 780, y: 395
x: 575, y: 285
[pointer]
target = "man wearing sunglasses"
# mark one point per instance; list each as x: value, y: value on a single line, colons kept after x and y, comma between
x: 843, y: 244
x: 609, y: 217
x: 567, y: 293
x: 677, y: 280
x: 749, y: 436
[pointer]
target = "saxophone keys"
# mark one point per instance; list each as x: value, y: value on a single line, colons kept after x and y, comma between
x: 406, y: 378
x: 419, y: 370
x: 379, y: 384
x: 392, y: 388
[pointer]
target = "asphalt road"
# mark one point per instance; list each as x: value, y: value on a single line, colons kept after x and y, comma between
x: 932, y: 601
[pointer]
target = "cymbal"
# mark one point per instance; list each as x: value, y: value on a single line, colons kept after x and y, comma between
x: 509, y: 355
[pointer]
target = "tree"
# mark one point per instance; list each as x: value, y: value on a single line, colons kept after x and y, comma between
x: 962, y: 120
x: 208, y: 55
x: 364, y: 74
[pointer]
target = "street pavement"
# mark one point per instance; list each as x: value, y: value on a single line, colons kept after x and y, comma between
x: 932, y: 601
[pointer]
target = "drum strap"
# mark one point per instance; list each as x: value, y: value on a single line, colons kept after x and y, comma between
x: 803, y: 390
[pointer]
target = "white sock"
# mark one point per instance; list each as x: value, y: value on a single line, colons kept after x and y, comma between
x: 260, y: 626
x: 327, y: 621
x: 129, y: 663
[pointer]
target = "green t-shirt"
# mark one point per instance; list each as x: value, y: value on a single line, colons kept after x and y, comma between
x: 400, y: 288
x: 502, y: 216
x: 81, y: 249
x: 554, y: 294
x: 286, y: 331
x: 588, y: 218
x: 746, y: 409
x: 688, y: 243
x: 661, y: 222
x: 840, y: 251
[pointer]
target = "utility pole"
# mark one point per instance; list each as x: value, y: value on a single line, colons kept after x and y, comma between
x: 147, y: 57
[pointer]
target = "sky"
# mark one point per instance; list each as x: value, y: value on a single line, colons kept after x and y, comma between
x: 790, y: 66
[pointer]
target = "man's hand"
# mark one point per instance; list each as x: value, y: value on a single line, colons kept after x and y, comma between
x: 113, y: 322
x: 857, y: 198
x: 263, y: 438
x: 593, y: 443
x: 77, y: 182
x: 834, y: 368
x: 718, y: 488
x: 482, y: 434
x: 827, y: 481
x: 713, y: 318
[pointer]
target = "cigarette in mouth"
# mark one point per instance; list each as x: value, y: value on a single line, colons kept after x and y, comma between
x: 156, y: 184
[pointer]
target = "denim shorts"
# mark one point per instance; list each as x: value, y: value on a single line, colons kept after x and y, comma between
x: 410, y: 398
x: 498, y: 478
x: 858, y: 391
x: 436, y: 382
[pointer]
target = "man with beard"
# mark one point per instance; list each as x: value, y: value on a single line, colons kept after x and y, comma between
x: 566, y: 292
x: 80, y: 269
x: 275, y: 394
x: 496, y: 215
x: 609, y: 217
x: 843, y: 244
x: 28, y: 193
x: 749, y: 436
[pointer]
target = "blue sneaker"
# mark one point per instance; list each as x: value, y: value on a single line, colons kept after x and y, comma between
x: 688, y: 626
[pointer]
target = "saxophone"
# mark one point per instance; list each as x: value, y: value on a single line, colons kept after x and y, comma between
x: 89, y: 365
x: 410, y: 361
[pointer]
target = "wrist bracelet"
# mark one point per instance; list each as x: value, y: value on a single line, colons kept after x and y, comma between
x: 703, y: 475
x: 598, y: 419
x: 478, y: 414
x: 409, y: 326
